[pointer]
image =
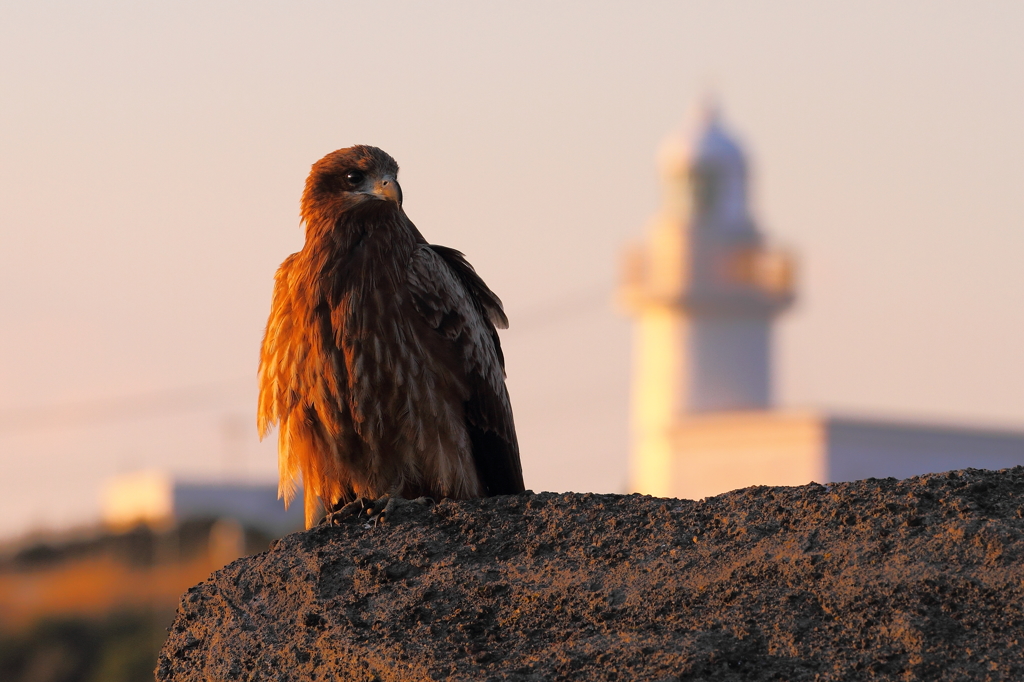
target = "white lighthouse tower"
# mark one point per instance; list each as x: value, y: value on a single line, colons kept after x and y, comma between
x: 704, y: 290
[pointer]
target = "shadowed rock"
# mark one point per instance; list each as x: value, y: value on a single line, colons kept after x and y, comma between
x: 876, y: 579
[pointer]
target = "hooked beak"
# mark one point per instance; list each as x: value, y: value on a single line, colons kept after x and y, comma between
x: 387, y: 188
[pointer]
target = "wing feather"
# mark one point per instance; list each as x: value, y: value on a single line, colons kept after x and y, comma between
x: 301, y: 383
x: 454, y: 300
x: 284, y: 353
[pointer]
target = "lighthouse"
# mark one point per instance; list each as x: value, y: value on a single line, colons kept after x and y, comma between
x: 703, y: 290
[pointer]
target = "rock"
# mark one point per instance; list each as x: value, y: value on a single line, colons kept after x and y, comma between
x: 876, y: 579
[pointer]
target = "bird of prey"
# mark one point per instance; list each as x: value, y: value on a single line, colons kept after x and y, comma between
x: 381, y: 364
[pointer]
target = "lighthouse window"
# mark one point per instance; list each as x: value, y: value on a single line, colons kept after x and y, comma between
x: 704, y: 184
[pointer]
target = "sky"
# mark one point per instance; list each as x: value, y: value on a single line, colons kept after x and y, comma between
x: 152, y: 156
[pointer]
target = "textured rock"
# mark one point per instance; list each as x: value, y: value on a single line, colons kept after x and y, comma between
x: 876, y: 579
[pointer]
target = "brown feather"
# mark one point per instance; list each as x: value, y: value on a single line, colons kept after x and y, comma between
x: 380, y: 364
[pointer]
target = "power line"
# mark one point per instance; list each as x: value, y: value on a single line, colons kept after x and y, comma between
x: 182, y: 399
x: 561, y: 309
x: 142, y: 405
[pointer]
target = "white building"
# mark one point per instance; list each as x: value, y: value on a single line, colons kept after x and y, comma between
x: 156, y: 497
x: 704, y: 290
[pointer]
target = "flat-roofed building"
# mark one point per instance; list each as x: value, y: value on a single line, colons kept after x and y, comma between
x: 156, y: 497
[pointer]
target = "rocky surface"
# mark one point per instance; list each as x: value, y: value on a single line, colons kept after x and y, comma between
x: 879, y: 579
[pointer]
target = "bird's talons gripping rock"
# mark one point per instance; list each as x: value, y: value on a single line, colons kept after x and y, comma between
x: 381, y: 509
x: 352, y: 509
x: 362, y: 508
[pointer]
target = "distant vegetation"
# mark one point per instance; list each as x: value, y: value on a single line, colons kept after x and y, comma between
x: 121, y: 647
x: 94, y: 606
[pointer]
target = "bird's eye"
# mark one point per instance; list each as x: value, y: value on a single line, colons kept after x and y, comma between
x: 355, y: 177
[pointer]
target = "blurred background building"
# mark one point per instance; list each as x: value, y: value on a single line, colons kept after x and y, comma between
x: 158, y: 498
x: 704, y: 290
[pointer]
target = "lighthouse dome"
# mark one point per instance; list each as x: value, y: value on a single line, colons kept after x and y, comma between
x: 704, y: 162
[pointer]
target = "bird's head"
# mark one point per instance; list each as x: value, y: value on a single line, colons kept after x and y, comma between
x: 348, y: 179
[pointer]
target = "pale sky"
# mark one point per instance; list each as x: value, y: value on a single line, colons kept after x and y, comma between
x: 152, y: 156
